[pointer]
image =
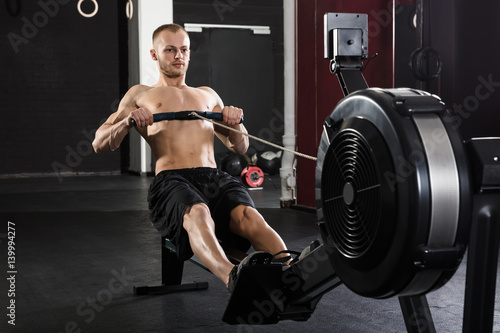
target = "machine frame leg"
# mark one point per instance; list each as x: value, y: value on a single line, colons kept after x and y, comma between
x: 482, y: 262
x: 417, y: 315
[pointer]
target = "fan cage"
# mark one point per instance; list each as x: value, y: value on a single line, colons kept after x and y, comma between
x: 351, y: 194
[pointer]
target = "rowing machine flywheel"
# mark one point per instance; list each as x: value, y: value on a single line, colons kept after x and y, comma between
x: 393, y: 192
x: 252, y: 176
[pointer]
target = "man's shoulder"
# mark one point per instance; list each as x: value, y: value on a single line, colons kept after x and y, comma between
x: 138, y: 88
x: 205, y: 88
x: 208, y: 90
x: 213, y: 94
x: 135, y: 91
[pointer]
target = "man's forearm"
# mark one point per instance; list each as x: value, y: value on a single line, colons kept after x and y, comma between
x: 109, y: 137
x: 239, y: 142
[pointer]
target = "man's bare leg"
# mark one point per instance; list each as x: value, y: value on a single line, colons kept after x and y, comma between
x: 248, y: 223
x: 201, y: 230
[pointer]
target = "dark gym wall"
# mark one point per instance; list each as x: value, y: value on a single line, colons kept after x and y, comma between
x: 437, y: 34
x: 60, y: 78
x: 464, y: 34
x: 477, y: 87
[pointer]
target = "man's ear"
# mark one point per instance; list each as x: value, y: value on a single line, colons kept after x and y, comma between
x: 153, y: 54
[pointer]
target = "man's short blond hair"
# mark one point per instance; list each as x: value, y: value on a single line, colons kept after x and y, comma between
x: 172, y: 27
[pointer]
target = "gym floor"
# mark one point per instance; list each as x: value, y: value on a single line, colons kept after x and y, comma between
x: 82, y: 243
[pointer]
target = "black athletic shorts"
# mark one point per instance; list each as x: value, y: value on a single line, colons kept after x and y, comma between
x: 173, y: 191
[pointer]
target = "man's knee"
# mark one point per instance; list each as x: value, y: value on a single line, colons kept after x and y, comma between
x: 246, y: 220
x: 197, y: 215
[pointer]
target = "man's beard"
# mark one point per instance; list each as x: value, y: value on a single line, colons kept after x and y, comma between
x: 175, y: 72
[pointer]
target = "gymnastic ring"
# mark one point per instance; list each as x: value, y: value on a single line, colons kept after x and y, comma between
x: 418, y: 61
x: 11, y: 11
x: 79, y: 7
x: 129, y: 9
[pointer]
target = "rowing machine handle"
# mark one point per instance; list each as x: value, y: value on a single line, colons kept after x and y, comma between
x: 185, y: 115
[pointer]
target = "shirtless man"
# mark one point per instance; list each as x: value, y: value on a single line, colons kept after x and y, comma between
x: 191, y: 202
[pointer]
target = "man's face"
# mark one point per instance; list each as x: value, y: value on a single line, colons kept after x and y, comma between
x: 171, y: 50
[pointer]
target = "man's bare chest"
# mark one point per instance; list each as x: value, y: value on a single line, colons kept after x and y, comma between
x: 167, y: 99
